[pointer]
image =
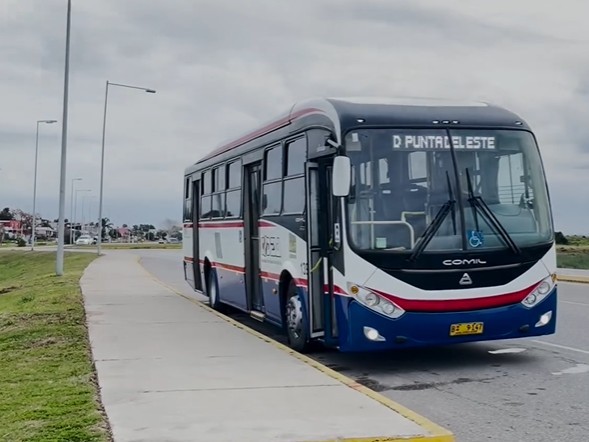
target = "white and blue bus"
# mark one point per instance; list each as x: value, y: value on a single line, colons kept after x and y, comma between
x: 372, y: 224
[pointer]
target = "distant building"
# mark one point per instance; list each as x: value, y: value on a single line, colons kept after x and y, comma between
x: 12, y: 228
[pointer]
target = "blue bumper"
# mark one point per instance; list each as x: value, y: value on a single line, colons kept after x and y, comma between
x: 433, y: 329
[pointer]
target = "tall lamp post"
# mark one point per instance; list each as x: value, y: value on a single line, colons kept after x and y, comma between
x: 33, y: 232
x: 72, y: 210
x: 76, y: 203
x: 108, y: 83
x: 59, y: 258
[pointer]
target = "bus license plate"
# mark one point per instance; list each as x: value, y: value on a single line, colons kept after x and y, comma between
x: 466, y: 328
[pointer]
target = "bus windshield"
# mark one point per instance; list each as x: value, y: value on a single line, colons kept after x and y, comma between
x: 426, y: 190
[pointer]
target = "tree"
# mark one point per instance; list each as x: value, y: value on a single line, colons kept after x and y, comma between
x: 107, y: 228
x: 559, y: 238
x: 6, y: 214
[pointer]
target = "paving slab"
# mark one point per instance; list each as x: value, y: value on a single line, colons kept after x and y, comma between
x: 170, y: 369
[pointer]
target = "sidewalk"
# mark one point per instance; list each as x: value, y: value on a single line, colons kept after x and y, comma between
x: 171, y: 369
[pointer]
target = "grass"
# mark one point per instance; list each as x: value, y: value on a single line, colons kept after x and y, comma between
x: 573, y: 257
x: 48, y: 389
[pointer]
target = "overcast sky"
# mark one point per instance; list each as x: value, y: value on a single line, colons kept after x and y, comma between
x: 220, y: 67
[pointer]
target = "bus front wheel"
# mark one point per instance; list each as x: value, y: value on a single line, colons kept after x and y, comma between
x: 296, y: 324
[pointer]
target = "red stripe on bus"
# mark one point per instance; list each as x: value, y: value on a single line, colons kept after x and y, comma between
x: 266, y: 224
x: 188, y: 224
x: 456, y: 305
x: 221, y: 225
x: 262, y: 131
x: 300, y: 282
x: 229, y: 267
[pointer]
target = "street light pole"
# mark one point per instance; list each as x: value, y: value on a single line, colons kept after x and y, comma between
x: 61, y: 226
x: 76, y: 203
x: 108, y: 83
x: 33, y: 232
x: 72, y: 210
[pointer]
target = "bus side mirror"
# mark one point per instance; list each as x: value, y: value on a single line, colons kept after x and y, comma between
x: 341, y: 176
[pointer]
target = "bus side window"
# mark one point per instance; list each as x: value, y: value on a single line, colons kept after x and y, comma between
x: 207, y: 187
x: 294, y: 181
x: 272, y: 193
x: 233, y: 194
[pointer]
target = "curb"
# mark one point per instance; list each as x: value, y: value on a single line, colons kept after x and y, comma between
x: 573, y: 279
x: 437, y: 433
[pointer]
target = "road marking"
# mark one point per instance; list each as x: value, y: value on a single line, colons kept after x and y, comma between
x: 506, y: 350
x: 437, y: 433
x: 564, y: 347
x: 576, y: 303
x: 580, y: 368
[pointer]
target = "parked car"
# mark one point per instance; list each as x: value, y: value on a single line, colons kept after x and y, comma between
x: 85, y: 240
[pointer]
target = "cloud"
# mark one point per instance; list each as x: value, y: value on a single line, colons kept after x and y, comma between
x: 222, y: 67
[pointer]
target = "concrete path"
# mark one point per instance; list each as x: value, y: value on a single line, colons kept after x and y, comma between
x: 172, y: 370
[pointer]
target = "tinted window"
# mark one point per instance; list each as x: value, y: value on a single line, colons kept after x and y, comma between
x: 294, y: 195
x: 272, y: 198
x: 205, y: 207
x: 234, y: 173
x: 187, y: 188
x: 273, y: 164
x: 217, y: 209
x: 233, y: 203
x: 296, y: 152
x: 206, y: 183
x: 220, y: 183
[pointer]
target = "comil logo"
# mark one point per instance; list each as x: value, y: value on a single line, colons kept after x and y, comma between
x: 463, y: 262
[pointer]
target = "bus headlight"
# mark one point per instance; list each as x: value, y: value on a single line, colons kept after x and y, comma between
x: 539, y: 293
x: 375, y: 302
x: 371, y: 299
x: 388, y: 308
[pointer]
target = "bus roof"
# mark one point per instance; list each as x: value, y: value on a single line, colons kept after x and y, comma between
x: 408, y: 111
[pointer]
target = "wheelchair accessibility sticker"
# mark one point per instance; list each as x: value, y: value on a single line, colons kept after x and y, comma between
x: 475, y: 238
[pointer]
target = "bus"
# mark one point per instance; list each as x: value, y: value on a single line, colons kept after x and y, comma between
x: 377, y: 224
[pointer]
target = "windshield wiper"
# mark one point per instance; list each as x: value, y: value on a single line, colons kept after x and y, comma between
x: 478, y: 202
x: 436, y: 223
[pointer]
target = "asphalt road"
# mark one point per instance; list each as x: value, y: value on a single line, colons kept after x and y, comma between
x: 519, y: 390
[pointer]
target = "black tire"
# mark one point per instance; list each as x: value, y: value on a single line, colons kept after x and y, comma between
x: 297, y: 328
x: 213, y: 291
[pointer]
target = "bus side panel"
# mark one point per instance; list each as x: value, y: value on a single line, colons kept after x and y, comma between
x: 188, y: 254
x: 222, y: 244
x: 280, y: 251
x: 231, y: 286
x: 271, y: 243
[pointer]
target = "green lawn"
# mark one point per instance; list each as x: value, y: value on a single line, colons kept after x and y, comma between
x: 573, y: 257
x: 47, y: 379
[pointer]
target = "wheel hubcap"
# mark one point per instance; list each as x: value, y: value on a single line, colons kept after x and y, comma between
x: 294, y: 317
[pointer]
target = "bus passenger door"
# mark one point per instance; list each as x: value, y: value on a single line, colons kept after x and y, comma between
x: 195, y: 234
x: 318, y: 267
x: 252, y: 211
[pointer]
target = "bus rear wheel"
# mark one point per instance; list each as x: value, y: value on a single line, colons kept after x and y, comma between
x: 213, y: 288
x: 296, y: 323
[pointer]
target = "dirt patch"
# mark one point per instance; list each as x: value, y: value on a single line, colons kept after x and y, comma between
x: 5, y: 290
